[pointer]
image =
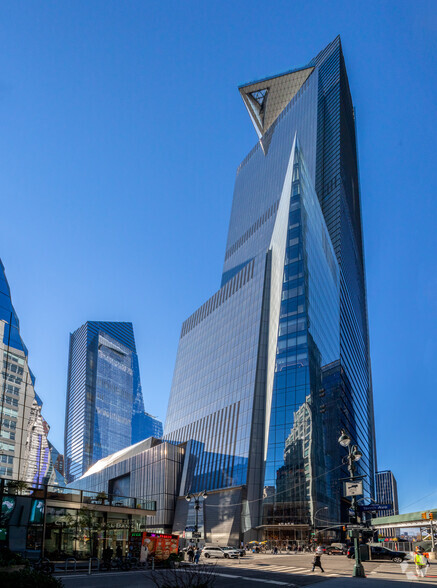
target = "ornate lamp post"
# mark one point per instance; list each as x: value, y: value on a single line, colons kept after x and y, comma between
x: 196, y: 498
x: 354, y: 454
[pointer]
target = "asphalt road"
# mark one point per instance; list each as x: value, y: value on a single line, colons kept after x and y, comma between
x: 262, y: 571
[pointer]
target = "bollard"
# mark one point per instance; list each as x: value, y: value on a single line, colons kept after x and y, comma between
x: 89, y: 568
x: 153, y: 563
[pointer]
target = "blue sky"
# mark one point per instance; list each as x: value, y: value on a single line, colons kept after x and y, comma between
x: 121, y: 132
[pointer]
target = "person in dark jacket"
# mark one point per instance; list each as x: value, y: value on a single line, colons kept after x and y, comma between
x: 190, y: 553
x: 317, y: 561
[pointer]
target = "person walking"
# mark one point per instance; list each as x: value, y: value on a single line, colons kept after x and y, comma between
x: 190, y: 553
x: 197, y: 555
x: 317, y: 561
x: 421, y: 563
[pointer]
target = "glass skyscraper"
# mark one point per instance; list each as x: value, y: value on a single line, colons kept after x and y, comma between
x: 25, y: 452
x: 105, y: 408
x: 276, y: 362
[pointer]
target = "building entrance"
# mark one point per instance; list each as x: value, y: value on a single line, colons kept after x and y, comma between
x: 283, y: 536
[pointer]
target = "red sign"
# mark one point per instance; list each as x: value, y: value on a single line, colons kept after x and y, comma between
x: 158, y: 545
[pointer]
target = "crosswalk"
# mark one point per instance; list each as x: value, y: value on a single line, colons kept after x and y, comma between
x: 292, y: 570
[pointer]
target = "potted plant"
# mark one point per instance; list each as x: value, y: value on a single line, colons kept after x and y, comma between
x: 16, y: 486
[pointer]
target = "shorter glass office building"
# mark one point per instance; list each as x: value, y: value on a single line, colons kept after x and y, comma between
x: 105, y: 407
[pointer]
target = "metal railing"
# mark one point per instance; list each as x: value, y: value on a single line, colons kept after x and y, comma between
x: 90, y: 564
x: 62, y: 493
x: 73, y: 561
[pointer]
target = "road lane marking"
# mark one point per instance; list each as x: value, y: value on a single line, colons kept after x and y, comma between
x: 251, y: 579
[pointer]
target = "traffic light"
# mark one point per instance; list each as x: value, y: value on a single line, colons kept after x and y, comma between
x: 424, y: 515
x: 344, y: 528
x: 431, y: 516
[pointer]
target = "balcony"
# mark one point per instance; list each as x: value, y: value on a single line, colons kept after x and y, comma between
x: 93, y: 500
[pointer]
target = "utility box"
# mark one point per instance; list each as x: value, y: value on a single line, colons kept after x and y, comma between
x: 364, y: 552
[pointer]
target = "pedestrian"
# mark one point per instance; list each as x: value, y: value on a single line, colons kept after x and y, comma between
x: 190, y: 553
x: 421, y: 563
x: 197, y: 555
x: 119, y: 552
x: 317, y: 561
x: 275, y: 551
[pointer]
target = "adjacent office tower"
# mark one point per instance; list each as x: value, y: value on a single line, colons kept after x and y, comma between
x: 105, y: 408
x: 25, y: 452
x: 276, y: 362
x: 387, y: 492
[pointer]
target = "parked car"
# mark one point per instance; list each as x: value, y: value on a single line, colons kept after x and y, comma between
x: 240, y: 550
x: 226, y: 552
x: 382, y: 553
x: 333, y: 550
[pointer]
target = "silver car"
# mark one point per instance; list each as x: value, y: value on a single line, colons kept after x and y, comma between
x: 220, y: 552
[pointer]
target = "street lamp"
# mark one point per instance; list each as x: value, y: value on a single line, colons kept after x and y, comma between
x: 196, y: 498
x: 354, y: 454
x: 315, y: 517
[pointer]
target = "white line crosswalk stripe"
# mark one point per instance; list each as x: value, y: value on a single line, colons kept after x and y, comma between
x: 284, y: 569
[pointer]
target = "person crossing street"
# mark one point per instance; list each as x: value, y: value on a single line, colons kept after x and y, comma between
x: 421, y: 562
x: 317, y: 561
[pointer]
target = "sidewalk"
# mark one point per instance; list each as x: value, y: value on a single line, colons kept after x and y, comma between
x: 373, y: 582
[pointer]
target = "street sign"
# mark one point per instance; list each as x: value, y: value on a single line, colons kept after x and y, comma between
x: 196, y: 535
x: 349, y: 527
x: 190, y: 529
x: 354, y: 488
x: 371, y: 507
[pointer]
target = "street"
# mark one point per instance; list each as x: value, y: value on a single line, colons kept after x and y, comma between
x: 261, y: 569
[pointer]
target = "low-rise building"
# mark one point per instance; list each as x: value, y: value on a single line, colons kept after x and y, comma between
x: 149, y: 469
x: 58, y: 522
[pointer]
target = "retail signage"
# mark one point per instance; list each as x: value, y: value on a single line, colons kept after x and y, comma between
x: 353, y: 488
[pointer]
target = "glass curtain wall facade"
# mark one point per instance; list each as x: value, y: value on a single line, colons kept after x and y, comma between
x: 105, y: 408
x: 25, y: 452
x: 387, y: 492
x: 276, y: 362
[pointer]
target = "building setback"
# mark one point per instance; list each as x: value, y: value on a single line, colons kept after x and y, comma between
x: 105, y: 407
x: 276, y: 362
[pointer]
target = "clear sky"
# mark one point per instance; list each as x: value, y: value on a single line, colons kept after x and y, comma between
x: 121, y: 132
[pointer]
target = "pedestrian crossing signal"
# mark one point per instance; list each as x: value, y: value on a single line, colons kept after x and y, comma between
x: 424, y: 515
